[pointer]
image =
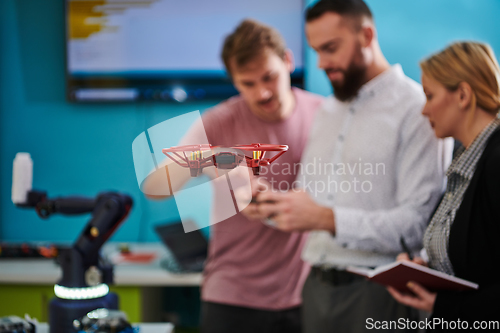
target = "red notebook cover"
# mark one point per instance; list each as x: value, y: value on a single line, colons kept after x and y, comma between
x: 398, y: 274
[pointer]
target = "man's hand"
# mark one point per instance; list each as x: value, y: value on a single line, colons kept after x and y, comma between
x: 242, y: 195
x: 422, y: 300
x: 295, y: 211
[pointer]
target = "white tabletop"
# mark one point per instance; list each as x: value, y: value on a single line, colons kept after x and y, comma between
x: 45, y: 271
x: 143, y: 328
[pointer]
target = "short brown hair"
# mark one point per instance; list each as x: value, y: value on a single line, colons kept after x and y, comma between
x: 355, y: 9
x: 470, y: 62
x: 251, y: 39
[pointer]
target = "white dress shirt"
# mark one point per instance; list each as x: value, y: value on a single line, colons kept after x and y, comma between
x: 376, y: 162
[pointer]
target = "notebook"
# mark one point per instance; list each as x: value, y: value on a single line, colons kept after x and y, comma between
x: 398, y: 274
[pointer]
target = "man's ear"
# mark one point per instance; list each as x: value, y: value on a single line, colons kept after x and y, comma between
x: 289, y: 61
x: 464, y: 91
x: 367, y: 34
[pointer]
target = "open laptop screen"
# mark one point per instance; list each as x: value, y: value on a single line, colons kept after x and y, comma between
x: 187, y: 248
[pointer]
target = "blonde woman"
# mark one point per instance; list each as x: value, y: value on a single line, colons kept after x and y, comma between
x: 461, y: 84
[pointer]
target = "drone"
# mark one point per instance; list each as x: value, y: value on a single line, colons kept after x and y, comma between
x: 195, y: 160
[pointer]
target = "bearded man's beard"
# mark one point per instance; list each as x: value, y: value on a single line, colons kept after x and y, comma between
x: 354, y: 78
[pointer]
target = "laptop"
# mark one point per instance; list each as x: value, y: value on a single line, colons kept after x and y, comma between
x: 189, y: 250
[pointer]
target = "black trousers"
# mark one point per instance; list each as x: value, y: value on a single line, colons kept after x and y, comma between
x: 342, y: 302
x: 221, y: 318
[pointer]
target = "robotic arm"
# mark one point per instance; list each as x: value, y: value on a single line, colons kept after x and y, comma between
x: 108, y: 210
x: 83, y: 286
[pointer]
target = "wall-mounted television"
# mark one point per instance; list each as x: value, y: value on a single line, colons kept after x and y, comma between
x: 164, y: 50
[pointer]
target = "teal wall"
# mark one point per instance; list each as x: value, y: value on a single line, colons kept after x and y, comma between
x: 410, y: 30
x: 84, y: 149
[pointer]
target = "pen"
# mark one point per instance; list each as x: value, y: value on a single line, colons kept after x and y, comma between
x: 405, y: 247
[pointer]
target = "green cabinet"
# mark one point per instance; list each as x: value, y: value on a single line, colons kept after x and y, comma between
x: 34, y: 300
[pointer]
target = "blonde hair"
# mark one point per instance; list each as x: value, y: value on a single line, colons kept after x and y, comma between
x: 470, y: 62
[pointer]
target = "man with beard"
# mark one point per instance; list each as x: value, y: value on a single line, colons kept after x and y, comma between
x: 371, y: 174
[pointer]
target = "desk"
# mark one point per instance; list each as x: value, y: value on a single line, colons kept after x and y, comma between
x: 27, y: 284
x: 143, y: 328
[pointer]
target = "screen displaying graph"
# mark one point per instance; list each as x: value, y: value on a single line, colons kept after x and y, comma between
x: 144, y: 44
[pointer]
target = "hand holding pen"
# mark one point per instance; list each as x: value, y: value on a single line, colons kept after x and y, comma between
x: 405, y: 247
x: 407, y: 255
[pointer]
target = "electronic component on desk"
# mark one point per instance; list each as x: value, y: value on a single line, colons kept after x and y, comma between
x: 104, y: 321
x: 25, y: 250
x: 13, y: 324
x: 134, y: 258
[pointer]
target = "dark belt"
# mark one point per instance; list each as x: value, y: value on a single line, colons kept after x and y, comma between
x: 335, y: 277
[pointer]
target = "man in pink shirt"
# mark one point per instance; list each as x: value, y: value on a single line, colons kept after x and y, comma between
x: 254, y: 274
